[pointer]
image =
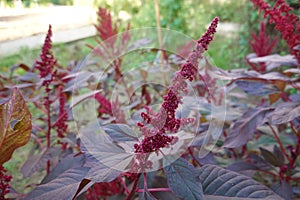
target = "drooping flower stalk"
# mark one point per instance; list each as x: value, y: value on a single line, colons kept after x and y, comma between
x: 165, y: 120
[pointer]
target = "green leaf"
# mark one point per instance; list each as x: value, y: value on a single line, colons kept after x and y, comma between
x: 181, y: 179
x: 15, y: 125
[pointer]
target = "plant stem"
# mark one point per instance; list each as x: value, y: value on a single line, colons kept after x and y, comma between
x: 193, y: 156
x: 157, y: 14
x: 130, y: 195
x: 280, y: 143
x: 48, y: 133
x: 155, y: 190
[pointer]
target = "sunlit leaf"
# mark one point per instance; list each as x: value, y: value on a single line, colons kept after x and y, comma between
x: 285, y: 112
x: 120, y: 132
x: 15, y: 125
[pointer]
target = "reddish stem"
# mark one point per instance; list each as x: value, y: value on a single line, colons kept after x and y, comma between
x: 193, y: 156
x: 130, y: 195
x: 155, y: 190
x: 48, y: 133
x: 280, y: 143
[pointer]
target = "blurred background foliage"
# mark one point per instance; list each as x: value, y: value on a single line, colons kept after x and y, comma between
x: 189, y: 17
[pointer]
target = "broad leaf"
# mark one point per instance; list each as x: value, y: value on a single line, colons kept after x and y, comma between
x: 284, y: 189
x: 120, y: 132
x: 63, y: 187
x: 37, y: 162
x: 66, y: 163
x: 15, y: 125
x: 285, y: 112
x: 102, y: 173
x: 181, y: 179
x: 219, y: 182
x: 257, y: 88
x: 244, y: 128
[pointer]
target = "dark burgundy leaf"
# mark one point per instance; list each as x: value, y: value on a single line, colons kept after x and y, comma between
x: 37, y: 162
x: 244, y: 128
x: 270, y: 157
x: 285, y: 112
x: 284, y: 189
x: 242, y: 166
x: 256, y: 88
x: 63, y: 187
x: 66, y: 163
x: 84, y: 185
x: 259, y: 162
x: 278, y: 154
x: 220, y: 182
x: 181, y: 179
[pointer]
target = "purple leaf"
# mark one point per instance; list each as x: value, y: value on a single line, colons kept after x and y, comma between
x: 63, y: 187
x: 37, y: 162
x: 181, y: 179
x: 257, y: 88
x: 220, y: 182
x: 244, y: 128
x: 284, y: 189
x: 270, y: 157
x: 120, y: 132
x: 285, y: 112
x: 241, y: 166
x: 259, y: 162
x: 66, y: 163
x: 102, y: 173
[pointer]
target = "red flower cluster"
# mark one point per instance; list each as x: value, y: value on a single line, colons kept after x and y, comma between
x: 104, y: 190
x: 46, y: 65
x: 105, y: 105
x: 105, y: 26
x: 61, y: 125
x: 262, y: 45
x: 285, y: 22
x: 165, y: 120
x: 4, y: 183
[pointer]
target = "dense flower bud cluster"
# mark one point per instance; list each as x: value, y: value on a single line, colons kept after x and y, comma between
x: 47, y: 63
x: 61, y: 125
x: 4, y: 183
x: 165, y: 120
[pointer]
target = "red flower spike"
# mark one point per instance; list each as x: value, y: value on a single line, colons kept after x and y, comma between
x: 47, y: 63
x: 61, y: 125
x: 165, y: 120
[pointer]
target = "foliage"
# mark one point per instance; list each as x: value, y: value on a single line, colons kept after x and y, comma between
x: 153, y: 142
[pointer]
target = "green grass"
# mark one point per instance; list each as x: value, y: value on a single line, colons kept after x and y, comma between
x: 64, y: 53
